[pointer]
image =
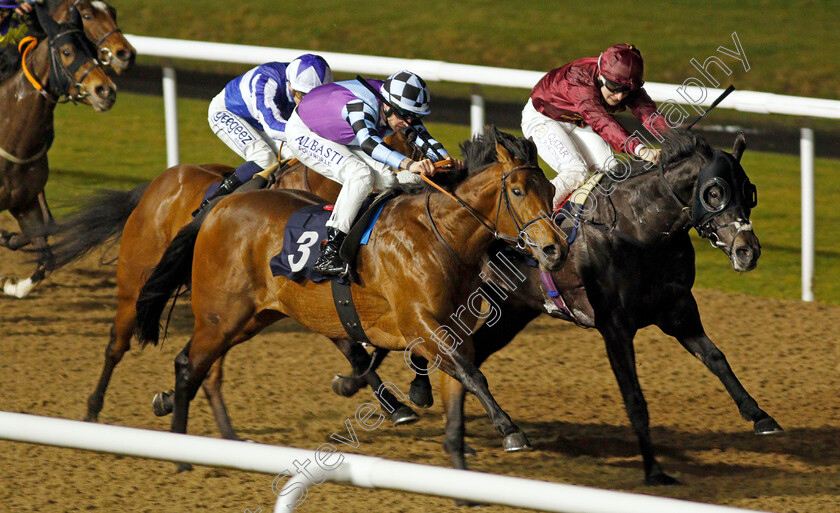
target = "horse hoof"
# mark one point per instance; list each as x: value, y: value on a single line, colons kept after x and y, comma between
x: 517, y: 442
x: 403, y: 416
x: 767, y: 426
x: 661, y: 479
x: 344, y: 387
x: 469, y: 452
x: 184, y: 467
x: 421, y: 396
x: 162, y: 403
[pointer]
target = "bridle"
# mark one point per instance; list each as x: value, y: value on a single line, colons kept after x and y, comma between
x: 521, y: 242
x: 104, y: 53
x: 60, y: 75
x: 708, y: 229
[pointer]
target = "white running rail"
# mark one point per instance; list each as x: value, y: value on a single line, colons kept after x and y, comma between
x: 356, y: 470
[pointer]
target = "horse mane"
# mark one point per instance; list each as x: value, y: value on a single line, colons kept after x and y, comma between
x: 678, y: 144
x: 480, y: 152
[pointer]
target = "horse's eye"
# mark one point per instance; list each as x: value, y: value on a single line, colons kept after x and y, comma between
x: 87, y: 17
x: 66, y: 53
x: 517, y: 191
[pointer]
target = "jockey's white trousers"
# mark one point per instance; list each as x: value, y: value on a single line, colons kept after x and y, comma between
x: 245, y: 140
x: 359, y: 173
x: 568, y: 149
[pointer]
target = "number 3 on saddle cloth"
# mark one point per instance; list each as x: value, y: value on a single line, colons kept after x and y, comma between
x: 306, y: 229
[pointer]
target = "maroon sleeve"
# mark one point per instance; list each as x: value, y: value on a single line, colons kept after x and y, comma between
x: 645, y: 111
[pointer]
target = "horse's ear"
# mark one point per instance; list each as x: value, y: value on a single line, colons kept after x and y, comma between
x: 740, y: 146
x: 45, y: 20
x: 503, y: 156
x: 75, y: 18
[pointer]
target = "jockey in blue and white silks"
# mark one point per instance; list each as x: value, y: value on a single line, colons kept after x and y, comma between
x: 337, y: 130
x: 250, y: 114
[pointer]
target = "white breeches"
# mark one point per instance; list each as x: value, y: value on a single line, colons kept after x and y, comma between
x: 568, y: 149
x: 245, y: 140
x: 358, y: 172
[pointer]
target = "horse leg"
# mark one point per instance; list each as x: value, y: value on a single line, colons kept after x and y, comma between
x: 33, y: 228
x: 120, y: 342
x: 619, y: 342
x: 487, y: 340
x: 459, y: 364
x: 209, y: 344
x: 420, y: 391
x: 212, y: 386
x: 453, y: 395
x: 348, y: 386
x: 682, y: 321
x: 360, y: 360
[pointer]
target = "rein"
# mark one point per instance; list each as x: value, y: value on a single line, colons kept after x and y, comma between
x: 520, y: 242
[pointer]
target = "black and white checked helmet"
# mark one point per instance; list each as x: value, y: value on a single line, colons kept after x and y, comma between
x: 407, y: 92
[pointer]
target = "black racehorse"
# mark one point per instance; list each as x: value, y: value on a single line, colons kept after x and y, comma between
x: 631, y: 266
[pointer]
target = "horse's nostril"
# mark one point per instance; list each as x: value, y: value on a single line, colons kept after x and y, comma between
x: 105, y: 92
x: 125, y: 55
x: 743, y: 254
x: 550, y: 250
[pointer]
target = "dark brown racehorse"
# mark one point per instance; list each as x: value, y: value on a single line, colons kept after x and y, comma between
x: 404, y: 253
x: 632, y: 267
x: 23, y: 145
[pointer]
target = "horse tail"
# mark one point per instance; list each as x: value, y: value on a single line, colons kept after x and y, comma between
x: 173, y: 271
x: 99, y: 219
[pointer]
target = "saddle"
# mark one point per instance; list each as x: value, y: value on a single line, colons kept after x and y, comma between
x: 306, y: 228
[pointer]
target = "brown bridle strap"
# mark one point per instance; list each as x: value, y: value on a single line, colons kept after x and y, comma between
x: 478, y: 216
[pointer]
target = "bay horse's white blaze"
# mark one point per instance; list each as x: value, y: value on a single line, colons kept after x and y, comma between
x: 102, y: 6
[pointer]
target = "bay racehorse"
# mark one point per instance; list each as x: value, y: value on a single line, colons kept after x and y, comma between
x: 631, y: 267
x: 28, y: 126
x: 100, y: 25
x: 146, y: 219
x: 235, y: 296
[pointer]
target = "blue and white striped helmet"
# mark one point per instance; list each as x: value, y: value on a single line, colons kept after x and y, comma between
x: 408, y: 92
x: 308, y: 72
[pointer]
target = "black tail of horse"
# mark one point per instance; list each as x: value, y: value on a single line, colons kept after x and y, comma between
x: 173, y: 270
x: 99, y: 219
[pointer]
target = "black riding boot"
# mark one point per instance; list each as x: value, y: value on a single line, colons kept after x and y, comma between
x: 228, y: 185
x: 330, y: 263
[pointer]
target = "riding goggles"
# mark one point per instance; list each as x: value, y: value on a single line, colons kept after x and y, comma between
x: 408, y: 117
x: 615, y: 87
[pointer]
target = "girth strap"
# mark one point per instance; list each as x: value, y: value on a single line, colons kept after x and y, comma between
x: 346, y: 310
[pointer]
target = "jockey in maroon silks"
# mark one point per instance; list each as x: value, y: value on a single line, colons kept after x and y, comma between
x: 570, y: 115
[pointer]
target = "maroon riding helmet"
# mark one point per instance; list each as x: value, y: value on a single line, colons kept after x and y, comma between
x: 622, y: 65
